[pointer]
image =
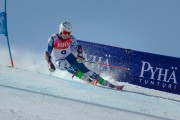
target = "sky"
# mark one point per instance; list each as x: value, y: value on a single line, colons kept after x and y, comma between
x: 144, y: 25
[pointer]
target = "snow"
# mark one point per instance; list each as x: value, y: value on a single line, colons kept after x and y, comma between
x: 28, y: 95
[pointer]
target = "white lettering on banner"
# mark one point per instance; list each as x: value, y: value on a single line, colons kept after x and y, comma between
x: 96, y: 59
x: 154, y: 76
x: 156, y: 83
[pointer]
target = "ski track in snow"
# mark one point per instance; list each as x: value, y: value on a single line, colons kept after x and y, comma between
x: 29, y: 95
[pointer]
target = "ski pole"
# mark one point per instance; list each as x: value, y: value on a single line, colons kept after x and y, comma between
x: 113, y: 66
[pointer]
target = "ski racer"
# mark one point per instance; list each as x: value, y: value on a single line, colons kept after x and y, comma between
x: 60, y: 44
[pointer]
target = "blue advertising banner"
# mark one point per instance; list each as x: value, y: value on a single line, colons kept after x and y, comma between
x: 144, y: 69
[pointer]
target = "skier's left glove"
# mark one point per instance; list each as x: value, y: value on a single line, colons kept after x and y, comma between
x: 80, y: 57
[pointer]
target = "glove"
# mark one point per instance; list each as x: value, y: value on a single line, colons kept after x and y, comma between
x: 80, y: 57
x: 51, y: 67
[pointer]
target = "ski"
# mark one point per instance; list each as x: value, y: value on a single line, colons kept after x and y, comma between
x: 100, y: 82
x: 110, y: 85
x: 117, y: 88
x: 120, y: 87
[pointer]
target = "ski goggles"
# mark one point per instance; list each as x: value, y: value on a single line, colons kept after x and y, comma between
x: 66, y: 32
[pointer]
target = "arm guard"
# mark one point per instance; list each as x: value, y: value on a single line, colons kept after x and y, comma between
x: 47, y: 57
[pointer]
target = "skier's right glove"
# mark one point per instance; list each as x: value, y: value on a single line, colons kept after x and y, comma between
x: 51, y: 67
x: 50, y: 64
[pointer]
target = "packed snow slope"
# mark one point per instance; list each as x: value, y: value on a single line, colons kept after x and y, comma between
x: 28, y: 95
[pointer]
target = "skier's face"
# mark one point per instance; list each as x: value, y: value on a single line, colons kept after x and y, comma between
x: 65, y: 34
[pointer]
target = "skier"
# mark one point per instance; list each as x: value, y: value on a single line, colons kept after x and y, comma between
x: 60, y: 44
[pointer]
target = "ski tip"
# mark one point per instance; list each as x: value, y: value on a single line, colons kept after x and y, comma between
x: 120, y: 87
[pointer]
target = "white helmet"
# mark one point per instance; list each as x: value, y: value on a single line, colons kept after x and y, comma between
x: 65, y: 26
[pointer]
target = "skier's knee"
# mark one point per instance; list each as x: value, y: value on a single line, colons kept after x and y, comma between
x: 63, y: 64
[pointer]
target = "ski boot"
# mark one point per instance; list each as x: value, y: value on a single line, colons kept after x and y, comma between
x: 81, y: 75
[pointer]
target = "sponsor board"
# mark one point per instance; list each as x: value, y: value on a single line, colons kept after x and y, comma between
x: 144, y: 69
